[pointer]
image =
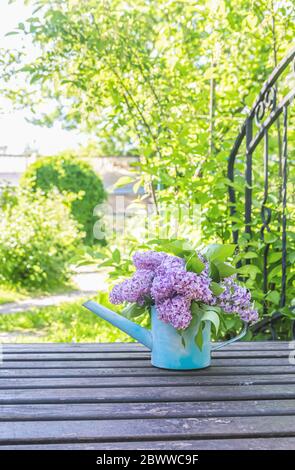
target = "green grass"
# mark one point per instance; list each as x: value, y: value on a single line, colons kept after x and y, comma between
x: 68, y: 322
x: 8, y: 295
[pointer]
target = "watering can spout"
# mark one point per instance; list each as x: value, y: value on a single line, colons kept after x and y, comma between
x: 142, y: 335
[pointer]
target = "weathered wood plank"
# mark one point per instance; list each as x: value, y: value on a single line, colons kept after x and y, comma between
x: 147, y: 429
x: 176, y: 381
x: 96, y: 411
x: 145, y: 372
x: 129, y: 347
x: 148, y: 394
x: 272, y: 443
x: 131, y: 356
x: 108, y: 394
x: 72, y: 347
x: 94, y: 356
x: 233, y: 362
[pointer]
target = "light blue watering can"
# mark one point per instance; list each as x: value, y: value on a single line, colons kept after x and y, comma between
x: 169, y: 349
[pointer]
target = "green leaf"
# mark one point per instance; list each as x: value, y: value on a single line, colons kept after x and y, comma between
x: 106, y: 263
x: 199, y: 338
x: 123, y: 181
x: 214, y: 272
x: 212, y: 316
x: 291, y: 257
x: 35, y: 78
x: 202, y: 314
x: 231, y: 321
x: 273, y: 296
x: 133, y: 310
x: 217, y: 252
x: 275, y: 272
x: 249, y: 270
x: 11, y: 33
x: 286, y: 311
x: 274, y: 257
x: 196, y: 309
x: 194, y: 264
x: 249, y: 255
x: 180, y: 248
x: 213, y: 308
x: 137, y: 186
x: 270, y: 237
x: 116, y: 256
x: 216, y: 289
x: 225, y: 269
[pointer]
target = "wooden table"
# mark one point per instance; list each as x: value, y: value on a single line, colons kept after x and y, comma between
x: 108, y: 396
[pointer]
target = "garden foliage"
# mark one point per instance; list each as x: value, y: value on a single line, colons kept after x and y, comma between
x: 177, y: 78
x: 38, y: 237
x: 72, y: 177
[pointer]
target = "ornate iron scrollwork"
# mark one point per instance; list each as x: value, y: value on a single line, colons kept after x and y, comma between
x: 268, y: 101
x: 265, y: 113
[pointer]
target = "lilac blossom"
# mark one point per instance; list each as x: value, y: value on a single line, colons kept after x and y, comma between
x: 116, y: 296
x: 185, y: 283
x: 148, y: 260
x: 236, y: 299
x: 171, y: 263
x: 176, y: 311
x: 135, y: 289
x: 162, y: 280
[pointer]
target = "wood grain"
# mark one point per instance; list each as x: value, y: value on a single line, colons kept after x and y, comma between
x: 108, y: 396
x: 279, y: 443
x: 146, y: 429
x: 86, y: 411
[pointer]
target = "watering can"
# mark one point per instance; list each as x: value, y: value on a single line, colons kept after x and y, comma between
x: 170, y: 350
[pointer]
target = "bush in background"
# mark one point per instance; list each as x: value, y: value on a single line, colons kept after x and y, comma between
x: 38, y: 237
x: 8, y: 196
x: 73, y: 177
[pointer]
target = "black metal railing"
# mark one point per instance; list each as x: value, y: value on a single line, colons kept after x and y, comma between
x: 270, y: 110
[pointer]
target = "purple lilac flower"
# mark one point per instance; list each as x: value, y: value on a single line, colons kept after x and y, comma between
x: 135, y: 289
x: 185, y: 283
x: 162, y: 287
x: 149, y: 260
x: 206, y: 263
x: 171, y: 263
x: 201, y: 290
x: 116, y: 294
x: 163, y: 279
x: 176, y: 311
x: 233, y: 296
x: 236, y: 299
x: 249, y: 315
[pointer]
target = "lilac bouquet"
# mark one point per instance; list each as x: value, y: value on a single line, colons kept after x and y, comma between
x: 177, y: 285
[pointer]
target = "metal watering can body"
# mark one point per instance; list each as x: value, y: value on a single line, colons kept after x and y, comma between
x: 170, y: 350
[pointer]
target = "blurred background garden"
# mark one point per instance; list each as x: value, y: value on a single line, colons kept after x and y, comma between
x: 112, y: 114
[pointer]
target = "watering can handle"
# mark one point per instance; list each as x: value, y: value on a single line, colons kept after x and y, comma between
x: 232, y: 340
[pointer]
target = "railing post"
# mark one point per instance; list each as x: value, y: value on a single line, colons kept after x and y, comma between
x: 266, y: 218
x: 248, y: 178
x: 284, y: 207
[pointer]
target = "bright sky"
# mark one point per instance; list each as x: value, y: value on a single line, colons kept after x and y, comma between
x: 15, y: 132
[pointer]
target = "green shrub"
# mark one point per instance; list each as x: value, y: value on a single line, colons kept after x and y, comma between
x: 73, y: 177
x: 37, y: 240
x: 8, y: 196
